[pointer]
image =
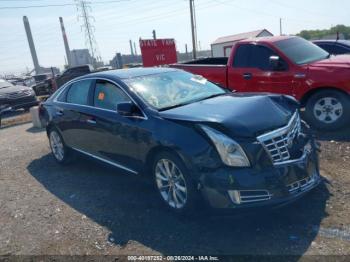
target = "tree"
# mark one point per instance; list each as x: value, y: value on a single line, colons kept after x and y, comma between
x: 318, y: 34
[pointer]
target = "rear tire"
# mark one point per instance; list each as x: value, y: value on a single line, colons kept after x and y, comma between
x: 175, y: 187
x: 328, y: 110
x: 60, y: 151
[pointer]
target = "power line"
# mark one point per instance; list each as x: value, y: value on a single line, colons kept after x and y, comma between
x: 34, y: 6
x: 57, y: 5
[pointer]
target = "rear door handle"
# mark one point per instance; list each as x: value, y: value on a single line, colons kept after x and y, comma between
x: 247, y: 76
x: 59, y: 113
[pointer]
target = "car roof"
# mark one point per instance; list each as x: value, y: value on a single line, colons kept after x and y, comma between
x: 343, y: 42
x: 132, y: 72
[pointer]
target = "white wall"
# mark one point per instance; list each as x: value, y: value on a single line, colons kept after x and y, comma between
x: 218, y: 49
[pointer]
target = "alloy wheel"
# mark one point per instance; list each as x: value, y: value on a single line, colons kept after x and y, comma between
x: 171, y: 183
x: 56, y: 145
x: 328, y: 109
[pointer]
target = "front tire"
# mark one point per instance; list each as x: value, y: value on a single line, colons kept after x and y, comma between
x: 59, y: 150
x: 328, y: 110
x: 174, y: 185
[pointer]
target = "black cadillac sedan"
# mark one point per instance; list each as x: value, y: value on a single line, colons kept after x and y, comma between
x: 196, y: 141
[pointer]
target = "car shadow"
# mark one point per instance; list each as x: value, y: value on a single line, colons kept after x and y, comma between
x: 342, y: 135
x: 35, y: 130
x: 131, y: 210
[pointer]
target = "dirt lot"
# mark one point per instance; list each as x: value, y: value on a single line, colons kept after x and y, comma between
x: 88, y: 208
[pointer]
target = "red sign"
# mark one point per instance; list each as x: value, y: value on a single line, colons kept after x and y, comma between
x: 158, y: 52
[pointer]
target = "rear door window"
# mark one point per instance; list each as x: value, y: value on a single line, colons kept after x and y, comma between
x: 339, y: 50
x: 78, y: 92
x: 108, y: 95
x: 242, y: 56
x: 327, y: 47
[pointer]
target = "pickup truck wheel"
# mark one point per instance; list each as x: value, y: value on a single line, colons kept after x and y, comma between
x: 173, y: 183
x: 328, y: 110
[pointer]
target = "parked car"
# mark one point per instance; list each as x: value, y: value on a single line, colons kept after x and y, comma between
x: 22, y: 81
x: 16, y: 96
x: 44, y: 84
x: 285, y: 65
x: 334, y: 47
x: 72, y: 73
x: 16, y: 81
x: 197, y: 141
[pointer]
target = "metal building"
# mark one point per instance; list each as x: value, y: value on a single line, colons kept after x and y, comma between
x: 222, y: 46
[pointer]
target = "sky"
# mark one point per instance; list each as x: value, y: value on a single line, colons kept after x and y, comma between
x: 117, y: 21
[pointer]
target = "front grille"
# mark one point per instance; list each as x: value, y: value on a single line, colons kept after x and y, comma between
x: 278, y: 142
x: 18, y: 94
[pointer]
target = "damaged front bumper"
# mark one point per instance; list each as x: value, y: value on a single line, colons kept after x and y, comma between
x: 275, y: 185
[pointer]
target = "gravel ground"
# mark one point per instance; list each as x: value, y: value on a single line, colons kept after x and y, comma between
x: 89, y: 208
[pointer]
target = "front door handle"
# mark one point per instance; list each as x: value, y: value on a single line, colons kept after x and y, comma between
x: 91, y: 121
x: 59, y: 113
x: 247, y: 76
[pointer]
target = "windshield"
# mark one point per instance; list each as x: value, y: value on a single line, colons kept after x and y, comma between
x: 4, y: 83
x: 301, y: 51
x: 172, y: 89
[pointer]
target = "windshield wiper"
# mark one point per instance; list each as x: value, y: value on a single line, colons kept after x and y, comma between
x: 190, y: 102
x: 174, y: 106
x: 211, y: 96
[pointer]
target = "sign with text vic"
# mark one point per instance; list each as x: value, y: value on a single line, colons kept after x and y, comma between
x: 157, y: 52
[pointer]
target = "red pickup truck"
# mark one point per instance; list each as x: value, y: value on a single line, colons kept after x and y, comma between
x: 286, y: 65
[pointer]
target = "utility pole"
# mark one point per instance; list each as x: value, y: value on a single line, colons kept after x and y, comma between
x: 65, y: 41
x: 194, y: 40
x: 131, y: 48
x: 280, y: 26
x: 84, y: 7
x: 31, y: 45
x: 154, y: 34
x: 135, y: 50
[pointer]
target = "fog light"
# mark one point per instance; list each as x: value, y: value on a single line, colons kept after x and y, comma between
x: 235, y: 196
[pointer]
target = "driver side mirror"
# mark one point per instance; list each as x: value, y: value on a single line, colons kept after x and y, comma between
x: 276, y: 64
x: 128, y: 109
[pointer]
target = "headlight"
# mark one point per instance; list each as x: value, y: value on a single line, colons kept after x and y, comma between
x: 229, y: 150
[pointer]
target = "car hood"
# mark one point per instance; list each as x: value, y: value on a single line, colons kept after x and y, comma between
x: 341, y: 61
x: 237, y: 114
x: 12, y: 89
